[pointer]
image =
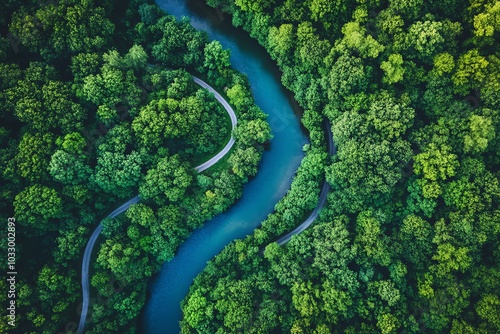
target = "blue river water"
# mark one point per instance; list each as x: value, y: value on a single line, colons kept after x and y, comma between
x: 162, y: 312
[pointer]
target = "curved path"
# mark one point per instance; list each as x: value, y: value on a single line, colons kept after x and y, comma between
x: 232, y: 115
x: 90, y: 245
x: 322, y: 196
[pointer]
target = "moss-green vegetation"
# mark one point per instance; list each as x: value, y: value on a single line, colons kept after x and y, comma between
x: 409, y: 240
x: 98, y: 104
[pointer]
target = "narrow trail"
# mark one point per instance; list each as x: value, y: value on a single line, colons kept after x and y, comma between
x: 91, y: 243
x: 322, y: 196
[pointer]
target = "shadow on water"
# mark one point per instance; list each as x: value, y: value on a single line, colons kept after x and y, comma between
x: 162, y: 312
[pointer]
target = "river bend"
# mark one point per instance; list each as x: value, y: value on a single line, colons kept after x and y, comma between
x: 168, y: 288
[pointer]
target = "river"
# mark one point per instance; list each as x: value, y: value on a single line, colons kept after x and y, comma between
x: 162, y: 311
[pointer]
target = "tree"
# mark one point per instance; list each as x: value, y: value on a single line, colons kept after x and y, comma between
x: 426, y: 39
x: 472, y: 191
x: 311, y: 49
x: 73, y: 143
x: 62, y: 111
x: 280, y: 41
x: 321, y: 8
x: 149, y: 233
x: 118, y: 173
x: 333, y: 249
x: 178, y: 44
x: 37, y: 206
x: 470, y: 72
x: 388, y: 292
x: 105, y: 87
x: 107, y: 115
x: 244, y: 161
x: 233, y: 300
x: 337, y: 302
x: 43, y: 102
x: 356, y: 39
x: 486, y: 23
x: 136, y: 58
x: 239, y: 96
x: 390, y: 118
x: 255, y: 6
x: 26, y: 28
x: 216, y: 62
x: 32, y: 159
x: 348, y: 76
x: 370, y: 239
x: 372, y: 166
x: 393, y: 69
x: 416, y: 236
x: 490, y: 92
x: 169, y: 180
x: 124, y: 260
x: 443, y: 63
x: 130, y: 305
x: 408, y: 9
x: 195, y: 46
x: 305, y: 299
x: 117, y: 140
x: 56, y: 291
x: 70, y: 245
x: 388, y: 28
x: 418, y: 202
x: 450, y: 258
x: 68, y: 169
x: 115, y: 82
x: 388, y: 323
x: 85, y: 64
x: 150, y: 125
x: 252, y: 133
x: 195, y: 312
x: 436, y: 163
x: 488, y: 308
x: 481, y: 133
x: 55, y: 30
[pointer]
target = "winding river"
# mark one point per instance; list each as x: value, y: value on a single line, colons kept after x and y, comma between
x: 166, y: 290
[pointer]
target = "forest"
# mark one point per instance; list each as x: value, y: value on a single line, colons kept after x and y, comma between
x: 97, y: 105
x: 409, y: 241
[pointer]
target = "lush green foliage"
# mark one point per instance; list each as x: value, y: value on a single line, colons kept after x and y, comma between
x: 409, y: 239
x: 85, y: 126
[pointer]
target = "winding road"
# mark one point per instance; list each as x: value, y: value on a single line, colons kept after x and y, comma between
x: 322, y: 196
x: 232, y: 115
x: 90, y: 244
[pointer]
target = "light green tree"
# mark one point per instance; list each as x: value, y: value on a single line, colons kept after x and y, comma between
x: 393, y: 69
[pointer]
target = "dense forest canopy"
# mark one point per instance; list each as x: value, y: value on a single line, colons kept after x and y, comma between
x: 409, y: 240
x: 98, y: 104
